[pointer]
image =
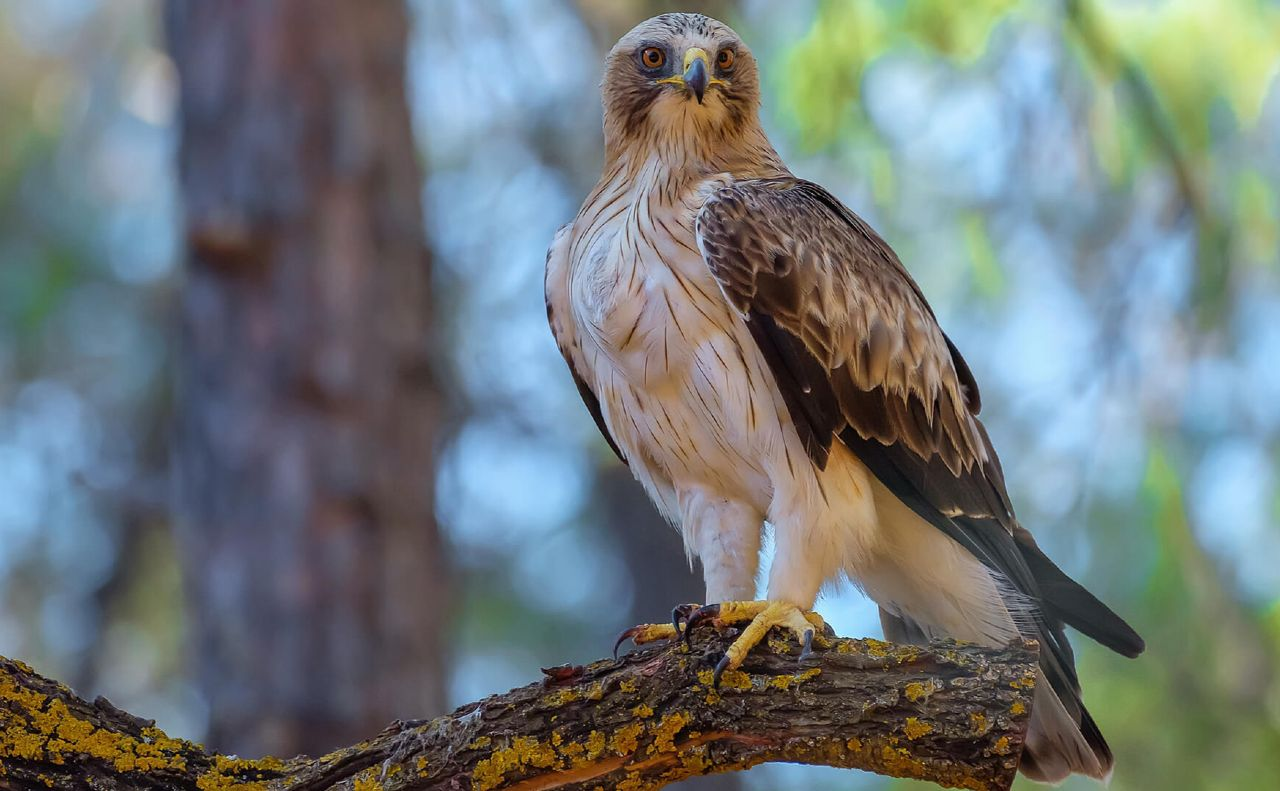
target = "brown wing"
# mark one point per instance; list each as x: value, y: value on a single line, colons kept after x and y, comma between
x: 858, y: 356
x: 834, y: 310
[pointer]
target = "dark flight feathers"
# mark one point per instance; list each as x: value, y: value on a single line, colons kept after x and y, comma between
x: 858, y: 355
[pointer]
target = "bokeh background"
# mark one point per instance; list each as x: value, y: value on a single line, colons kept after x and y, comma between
x: 1088, y: 192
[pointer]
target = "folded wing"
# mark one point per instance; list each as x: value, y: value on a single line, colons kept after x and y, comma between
x: 859, y: 358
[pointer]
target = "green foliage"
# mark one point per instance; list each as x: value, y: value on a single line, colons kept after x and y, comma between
x: 1199, y: 56
x: 824, y: 71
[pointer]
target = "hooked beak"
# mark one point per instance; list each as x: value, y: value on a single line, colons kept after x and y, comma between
x: 696, y: 77
x: 697, y: 73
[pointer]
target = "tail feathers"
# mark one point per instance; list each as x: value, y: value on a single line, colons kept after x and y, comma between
x: 901, y: 630
x: 1058, y: 745
x: 1068, y: 601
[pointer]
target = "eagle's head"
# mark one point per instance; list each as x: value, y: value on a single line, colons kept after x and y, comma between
x: 682, y: 80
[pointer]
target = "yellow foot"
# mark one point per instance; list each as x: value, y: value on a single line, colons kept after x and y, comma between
x: 653, y: 632
x: 761, y: 616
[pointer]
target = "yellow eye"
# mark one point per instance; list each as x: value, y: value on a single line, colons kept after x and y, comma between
x: 724, y: 60
x: 653, y: 58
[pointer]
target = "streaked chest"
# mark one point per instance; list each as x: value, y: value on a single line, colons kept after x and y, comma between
x: 681, y: 383
x: 642, y: 293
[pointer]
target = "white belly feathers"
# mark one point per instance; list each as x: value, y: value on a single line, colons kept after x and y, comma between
x: 677, y: 373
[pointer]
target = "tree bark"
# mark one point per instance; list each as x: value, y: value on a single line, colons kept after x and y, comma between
x: 952, y: 714
x: 306, y: 410
x: 660, y: 573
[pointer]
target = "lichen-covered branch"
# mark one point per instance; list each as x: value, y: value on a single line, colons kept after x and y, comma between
x: 955, y: 715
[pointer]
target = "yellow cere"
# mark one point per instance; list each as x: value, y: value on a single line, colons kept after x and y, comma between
x: 690, y: 55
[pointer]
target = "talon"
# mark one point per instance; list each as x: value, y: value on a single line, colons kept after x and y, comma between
x: 806, y: 646
x: 680, y: 615
x: 805, y: 627
x: 707, y: 613
x: 627, y: 634
x: 721, y: 666
x: 646, y: 633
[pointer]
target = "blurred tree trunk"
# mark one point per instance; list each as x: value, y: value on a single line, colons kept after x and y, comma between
x: 307, y: 411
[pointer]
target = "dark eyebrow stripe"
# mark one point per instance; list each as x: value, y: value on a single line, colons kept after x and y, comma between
x: 646, y: 43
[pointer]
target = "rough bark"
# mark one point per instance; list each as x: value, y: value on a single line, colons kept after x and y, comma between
x: 306, y: 407
x: 660, y: 575
x: 951, y: 714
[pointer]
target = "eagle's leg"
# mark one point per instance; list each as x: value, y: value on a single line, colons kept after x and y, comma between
x: 760, y: 616
x: 655, y: 632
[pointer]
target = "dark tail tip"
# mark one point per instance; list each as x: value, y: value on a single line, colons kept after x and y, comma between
x: 1068, y: 601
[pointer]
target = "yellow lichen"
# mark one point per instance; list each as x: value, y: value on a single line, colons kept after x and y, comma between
x: 876, y: 648
x: 978, y: 721
x: 1002, y: 746
x: 239, y: 774
x: 595, y: 745
x: 41, y: 728
x: 642, y: 711
x: 572, y: 750
x: 562, y: 696
x: 628, y: 685
x: 914, y: 728
x: 778, y: 645
x: 786, y: 682
x: 919, y: 690
x: 664, y: 733
x: 1017, y: 708
x: 730, y: 679
x: 481, y: 743
x: 695, y: 761
x: 626, y: 739
x: 534, y: 752
x: 1026, y: 682
x: 524, y: 751
x: 367, y: 780
x: 900, y: 763
x: 489, y: 771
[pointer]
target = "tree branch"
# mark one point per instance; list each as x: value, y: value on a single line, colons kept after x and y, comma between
x: 952, y: 714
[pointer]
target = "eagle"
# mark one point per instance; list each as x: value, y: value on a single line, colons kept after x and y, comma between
x: 756, y: 354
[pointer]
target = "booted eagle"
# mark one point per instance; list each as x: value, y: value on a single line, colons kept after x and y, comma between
x: 755, y: 352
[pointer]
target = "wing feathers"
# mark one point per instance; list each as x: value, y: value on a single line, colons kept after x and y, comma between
x: 857, y: 354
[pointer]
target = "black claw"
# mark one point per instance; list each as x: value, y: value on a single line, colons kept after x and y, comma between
x: 721, y: 666
x: 806, y: 649
x: 827, y: 631
x: 679, y: 615
x: 707, y: 613
x: 622, y: 638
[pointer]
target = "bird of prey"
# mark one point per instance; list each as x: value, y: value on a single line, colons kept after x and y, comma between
x: 756, y: 353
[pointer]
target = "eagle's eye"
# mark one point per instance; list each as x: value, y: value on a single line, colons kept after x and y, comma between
x: 653, y: 57
x: 724, y: 59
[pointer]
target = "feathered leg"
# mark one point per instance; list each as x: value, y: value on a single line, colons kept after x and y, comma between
x: 725, y: 536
